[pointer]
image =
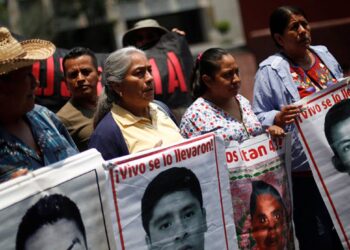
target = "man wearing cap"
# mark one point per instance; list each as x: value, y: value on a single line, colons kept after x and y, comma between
x: 171, y: 61
x: 31, y: 136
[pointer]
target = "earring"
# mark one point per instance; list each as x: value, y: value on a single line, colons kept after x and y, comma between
x: 120, y: 94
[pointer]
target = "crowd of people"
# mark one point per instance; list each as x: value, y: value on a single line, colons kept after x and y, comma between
x: 126, y: 119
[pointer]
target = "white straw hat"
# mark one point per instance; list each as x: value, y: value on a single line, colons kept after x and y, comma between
x: 15, y: 55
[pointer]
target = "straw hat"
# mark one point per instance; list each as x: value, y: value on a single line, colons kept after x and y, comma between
x: 143, y: 24
x: 15, y: 55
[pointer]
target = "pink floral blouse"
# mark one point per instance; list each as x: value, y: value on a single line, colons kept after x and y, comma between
x: 203, y: 117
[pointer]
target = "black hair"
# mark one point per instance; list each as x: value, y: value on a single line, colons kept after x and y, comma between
x: 77, y: 52
x: 206, y: 64
x: 279, y: 19
x: 259, y: 188
x: 338, y: 113
x: 5, y: 77
x: 48, y: 210
x: 168, y: 181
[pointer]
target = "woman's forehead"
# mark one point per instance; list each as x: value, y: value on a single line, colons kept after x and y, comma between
x: 138, y: 60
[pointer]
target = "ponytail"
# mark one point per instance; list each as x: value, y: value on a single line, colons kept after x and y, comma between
x: 206, y: 64
x: 103, y: 107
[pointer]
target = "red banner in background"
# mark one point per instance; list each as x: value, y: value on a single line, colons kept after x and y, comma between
x: 52, y: 91
x: 171, y: 61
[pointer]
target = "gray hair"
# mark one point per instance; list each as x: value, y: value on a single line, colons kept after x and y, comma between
x: 115, y: 68
x: 117, y: 64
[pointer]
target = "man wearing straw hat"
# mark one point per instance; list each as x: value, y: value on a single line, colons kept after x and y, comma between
x: 31, y: 136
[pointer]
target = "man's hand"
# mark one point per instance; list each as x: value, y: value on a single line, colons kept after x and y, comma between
x: 180, y: 32
x: 20, y: 172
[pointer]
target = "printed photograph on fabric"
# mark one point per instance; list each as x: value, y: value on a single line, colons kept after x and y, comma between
x: 268, y: 216
x: 261, y: 196
x: 54, y: 221
x: 176, y: 199
x: 67, y: 216
x: 323, y: 129
x: 263, y: 214
x: 336, y: 129
x: 172, y: 211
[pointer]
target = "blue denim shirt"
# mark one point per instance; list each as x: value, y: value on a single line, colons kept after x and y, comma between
x: 51, y: 136
x: 274, y: 88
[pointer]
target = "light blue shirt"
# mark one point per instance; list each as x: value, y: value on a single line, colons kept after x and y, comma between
x: 274, y: 88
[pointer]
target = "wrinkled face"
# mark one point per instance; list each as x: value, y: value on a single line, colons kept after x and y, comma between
x: 137, y: 90
x: 81, y: 77
x: 226, y: 82
x: 17, y: 91
x: 296, y: 37
x: 341, y: 139
x: 62, y: 235
x: 145, y: 38
x: 268, y: 223
x: 178, y: 222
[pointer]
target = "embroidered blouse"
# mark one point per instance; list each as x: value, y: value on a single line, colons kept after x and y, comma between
x: 307, y: 80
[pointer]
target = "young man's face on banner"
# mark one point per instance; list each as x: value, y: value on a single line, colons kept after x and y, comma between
x: 178, y: 222
x: 63, y: 234
x: 341, y: 138
x: 268, y: 222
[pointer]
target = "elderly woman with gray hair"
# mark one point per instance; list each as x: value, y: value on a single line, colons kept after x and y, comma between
x: 127, y: 119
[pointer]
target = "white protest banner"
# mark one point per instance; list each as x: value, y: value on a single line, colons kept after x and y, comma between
x: 61, y: 206
x: 261, y: 193
x: 329, y: 160
x: 175, y: 197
